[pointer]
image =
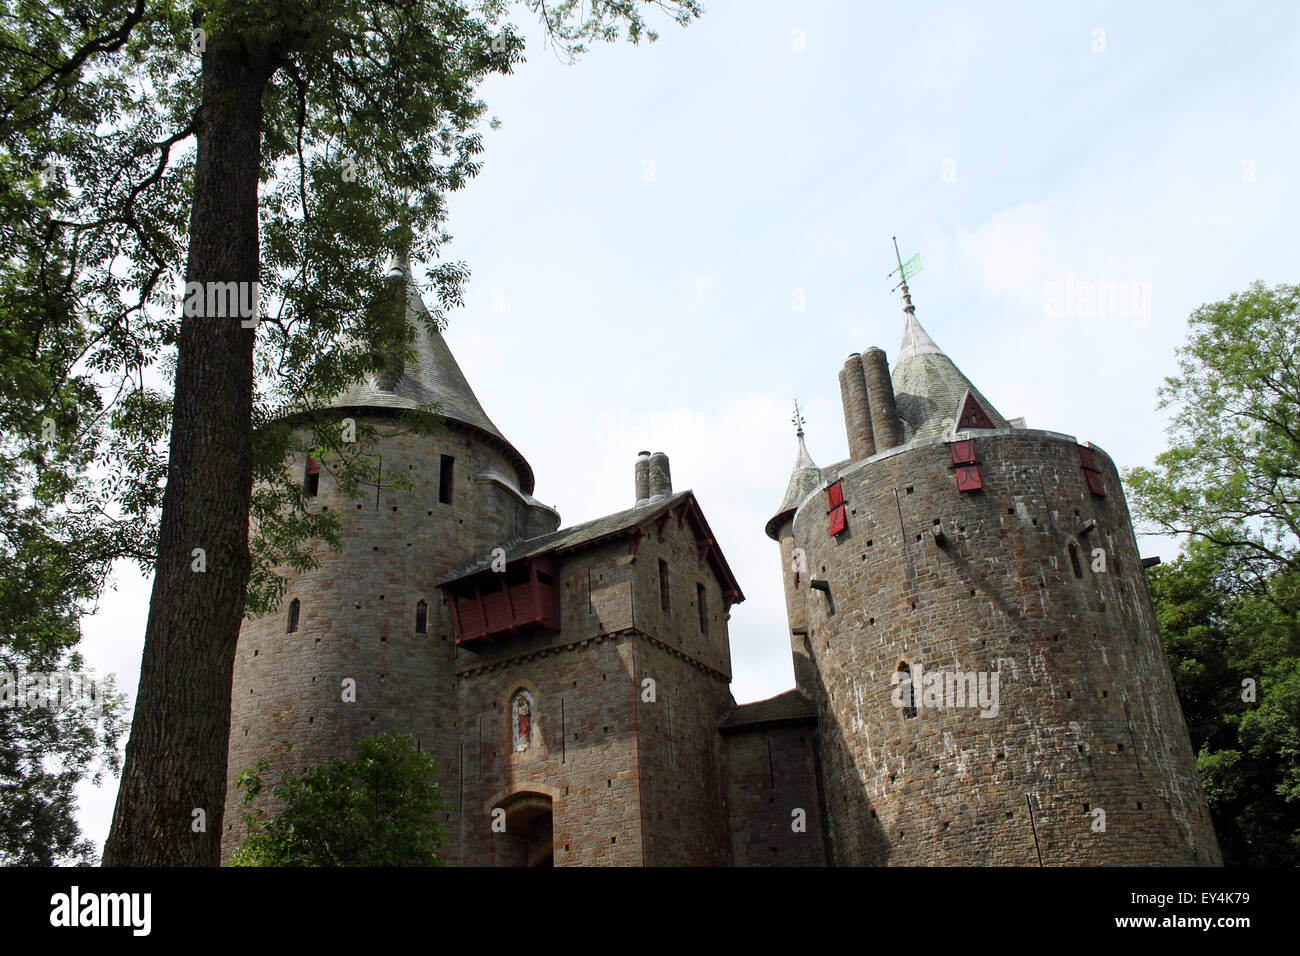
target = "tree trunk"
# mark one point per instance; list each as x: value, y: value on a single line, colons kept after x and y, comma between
x: 176, y: 757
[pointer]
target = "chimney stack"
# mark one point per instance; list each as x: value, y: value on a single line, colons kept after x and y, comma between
x: 642, y: 478
x: 857, y: 409
x: 880, y: 391
x: 661, y: 482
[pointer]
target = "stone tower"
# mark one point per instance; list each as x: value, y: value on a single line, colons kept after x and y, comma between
x: 968, y: 616
x: 371, y: 613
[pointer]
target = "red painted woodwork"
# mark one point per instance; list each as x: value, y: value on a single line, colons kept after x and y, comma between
x: 838, y: 521
x: 968, y: 478
x: 1090, y: 472
x: 963, y: 452
x: 972, y: 414
x: 835, y: 495
x: 522, y: 599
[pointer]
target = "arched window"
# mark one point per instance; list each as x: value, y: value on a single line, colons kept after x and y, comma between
x: 521, y: 721
x: 908, y: 692
x: 294, y: 608
x: 422, y: 618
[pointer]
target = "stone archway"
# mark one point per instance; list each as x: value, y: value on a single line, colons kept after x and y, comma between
x: 529, y: 836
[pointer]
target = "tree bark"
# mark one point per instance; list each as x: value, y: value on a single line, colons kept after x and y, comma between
x: 176, y: 757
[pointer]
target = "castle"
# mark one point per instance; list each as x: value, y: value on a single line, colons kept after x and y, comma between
x: 979, y: 675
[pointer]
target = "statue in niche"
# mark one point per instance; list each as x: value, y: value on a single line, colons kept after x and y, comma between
x: 521, y: 710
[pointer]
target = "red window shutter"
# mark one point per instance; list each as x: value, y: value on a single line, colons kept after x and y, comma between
x: 837, y: 521
x: 963, y: 452
x: 311, y: 477
x: 968, y: 478
x: 835, y: 495
x: 1090, y: 472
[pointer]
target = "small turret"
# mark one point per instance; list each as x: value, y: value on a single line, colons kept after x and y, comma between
x: 804, y: 479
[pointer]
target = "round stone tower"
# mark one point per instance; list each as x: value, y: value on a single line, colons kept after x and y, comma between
x: 364, y: 644
x: 969, y: 616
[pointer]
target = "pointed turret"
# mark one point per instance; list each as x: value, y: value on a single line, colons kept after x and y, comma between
x: 804, y: 480
x: 929, y: 389
x: 431, y: 377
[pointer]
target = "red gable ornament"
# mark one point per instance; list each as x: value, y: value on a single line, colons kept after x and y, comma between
x: 971, y: 414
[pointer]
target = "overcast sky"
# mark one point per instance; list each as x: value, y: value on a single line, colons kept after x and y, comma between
x: 649, y: 220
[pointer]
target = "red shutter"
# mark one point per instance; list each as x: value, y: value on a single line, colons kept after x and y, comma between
x: 963, y: 452
x: 1090, y: 472
x: 968, y: 478
x: 837, y: 521
x: 835, y: 495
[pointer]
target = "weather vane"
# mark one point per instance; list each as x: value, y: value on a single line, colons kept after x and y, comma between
x: 904, y: 272
x: 797, y: 420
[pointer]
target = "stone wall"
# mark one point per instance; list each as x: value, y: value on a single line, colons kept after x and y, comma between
x: 772, y: 800
x: 357, y: 620
x: 628, y: 700
x: 1087, y: 719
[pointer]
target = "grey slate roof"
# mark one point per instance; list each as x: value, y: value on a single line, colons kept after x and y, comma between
x: 928, y: 387
x: 804, y: 479
x: 580, y: 534
x: 432, y: 376
x: 789, y: 706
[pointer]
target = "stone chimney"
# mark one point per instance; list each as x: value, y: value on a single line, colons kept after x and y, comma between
x: 857, y: 409
x: 642, y: 478
x: 880, y: 393
x: 661, y: 482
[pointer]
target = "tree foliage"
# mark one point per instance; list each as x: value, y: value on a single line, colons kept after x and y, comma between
x: 150, y: 148
x: 1231, y: 473
x: 1229, y: 607
x: 1236, y: 661
x: 379, y: 809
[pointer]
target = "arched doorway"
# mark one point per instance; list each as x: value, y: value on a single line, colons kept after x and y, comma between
x: 530, y: 830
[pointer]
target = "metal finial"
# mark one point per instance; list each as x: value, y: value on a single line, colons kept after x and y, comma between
x: 905, y: 271
x: 797, y: 420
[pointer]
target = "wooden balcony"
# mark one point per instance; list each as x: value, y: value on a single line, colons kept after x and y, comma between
x: 495, y: 605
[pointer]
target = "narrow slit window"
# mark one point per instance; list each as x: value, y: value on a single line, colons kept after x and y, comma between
x: 907, y: 691
x: 311, y: 477
x: 445, y: 472
x: 1074, y: 560
x: 702, y: 604
x: 664, y: 601
x: 294, y: 608
x: 422, y: 617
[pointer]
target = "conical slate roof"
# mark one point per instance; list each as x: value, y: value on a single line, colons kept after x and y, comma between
x: 929, y: 388
x: 431, y: 377
x: 804, y: 480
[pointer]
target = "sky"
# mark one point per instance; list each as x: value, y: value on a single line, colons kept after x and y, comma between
x: 671, y: 242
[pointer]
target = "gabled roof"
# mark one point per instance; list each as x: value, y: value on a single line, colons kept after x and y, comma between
x: 432, y: 376
x: 929, y: 388
x: 804, y: 479
x: 627, y: 523
x: 791, y: 706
